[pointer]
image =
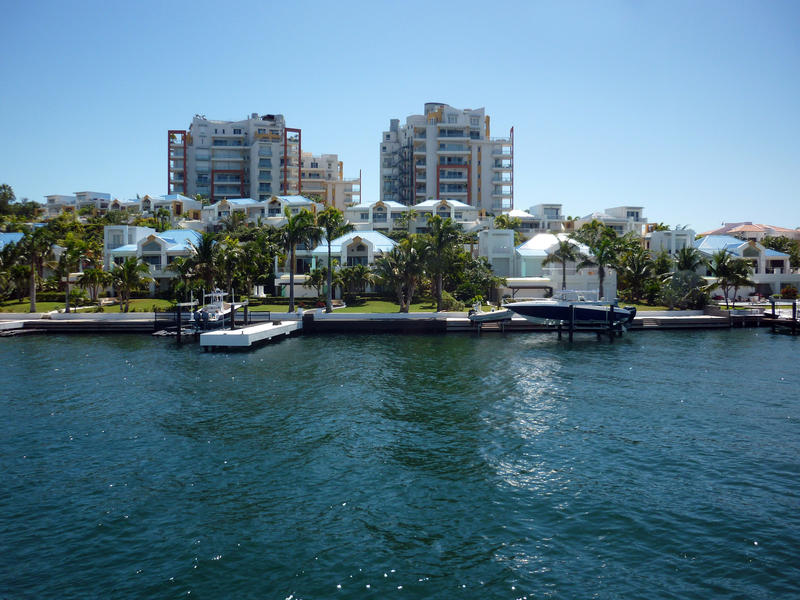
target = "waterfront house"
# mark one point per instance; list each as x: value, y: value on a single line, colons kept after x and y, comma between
x: 354, y: 248
x: 533, y: 278
x: 771, y: 269
x: 158, y: 250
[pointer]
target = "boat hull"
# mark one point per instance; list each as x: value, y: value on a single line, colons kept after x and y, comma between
x: 563, y: 311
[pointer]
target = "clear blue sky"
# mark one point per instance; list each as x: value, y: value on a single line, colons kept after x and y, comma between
x: 690, y: 109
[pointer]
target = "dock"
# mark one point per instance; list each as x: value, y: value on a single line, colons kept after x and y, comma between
x: 248, y: 336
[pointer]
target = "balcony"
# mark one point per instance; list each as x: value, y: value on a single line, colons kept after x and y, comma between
x: 227, y: 179
x: 502, y: 166
x: 459, y: 176
x: 453, y: 149
x: 449, y: 134
x: 227, y: 156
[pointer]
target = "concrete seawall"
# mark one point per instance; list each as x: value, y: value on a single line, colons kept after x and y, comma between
x: 318, y: 322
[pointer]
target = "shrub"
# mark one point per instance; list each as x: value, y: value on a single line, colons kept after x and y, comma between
x: 789, y: 292
x: 449, y: 303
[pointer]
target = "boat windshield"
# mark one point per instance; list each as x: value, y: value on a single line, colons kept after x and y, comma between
x: 576, y: 295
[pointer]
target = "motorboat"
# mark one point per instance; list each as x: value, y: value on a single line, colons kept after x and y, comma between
x: 213, y: 311
x: 580, y: 308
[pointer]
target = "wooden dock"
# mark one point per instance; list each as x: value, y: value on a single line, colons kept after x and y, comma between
x: 246, y: 337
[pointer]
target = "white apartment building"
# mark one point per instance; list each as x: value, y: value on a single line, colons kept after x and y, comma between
x: 257, y: 157
x: 447, y: 154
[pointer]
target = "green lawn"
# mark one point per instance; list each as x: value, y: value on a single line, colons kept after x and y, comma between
x: 25, y: 305
x: 371, y: 306
x: 141, y: 305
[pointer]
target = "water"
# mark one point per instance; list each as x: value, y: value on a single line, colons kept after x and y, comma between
x: 665, y: 465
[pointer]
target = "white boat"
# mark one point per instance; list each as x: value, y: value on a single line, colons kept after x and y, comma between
x: 213, y: 311
x: 580, y: 308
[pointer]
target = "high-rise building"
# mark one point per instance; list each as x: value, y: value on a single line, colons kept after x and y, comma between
x: 447, y: 154
x: 257, y: 157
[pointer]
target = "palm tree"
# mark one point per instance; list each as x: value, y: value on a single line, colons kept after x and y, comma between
x: 300, y: 228
x: 162, y: 216
x: 36, y: 246
x: 355, y: 278
x: 689, y: 259
x: 130, y: 276
x: 442, y: 238
x: 566, y: 251
x: 332, y: 222
x: 203, y: 259
x: 93, y: 279
x: 236, y: 220
x: 401, y: 269
x: 317, y: 279
x: 604, y: 247
x: 228, y: 258
x: 730, y: 273
x: 407, y: 219
x: 71, y: 258
x: 740, y: 276
x: 503, y: 221
x: 604, y: 255
x: 636, y: 268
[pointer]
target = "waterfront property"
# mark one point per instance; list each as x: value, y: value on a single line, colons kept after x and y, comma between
x: 771, y: 270
x: 157, y: 250
x: 354, y: 248
x: 532, y: 277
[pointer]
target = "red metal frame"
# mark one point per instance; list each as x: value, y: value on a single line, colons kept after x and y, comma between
x: 299, y: 133
x: 467, y: 167
x: 183, y: 134
x: 241, y: 180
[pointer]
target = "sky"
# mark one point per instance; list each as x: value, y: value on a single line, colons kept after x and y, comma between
x: 690, y: 109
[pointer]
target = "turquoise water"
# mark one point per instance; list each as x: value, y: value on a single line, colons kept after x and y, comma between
x: 665, y: 465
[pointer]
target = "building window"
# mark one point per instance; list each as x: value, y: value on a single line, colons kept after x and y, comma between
x: 452, y: 119
x: 364, y: 216
x: 388, y: 137
x: 237, y: 132
x: 474, y: 121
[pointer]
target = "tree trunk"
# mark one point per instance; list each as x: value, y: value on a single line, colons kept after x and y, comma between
x: 291, y: 280
x: 329, y: 293
x: 439, y: 279
x: 33, y: 286
x: 563, y: 274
